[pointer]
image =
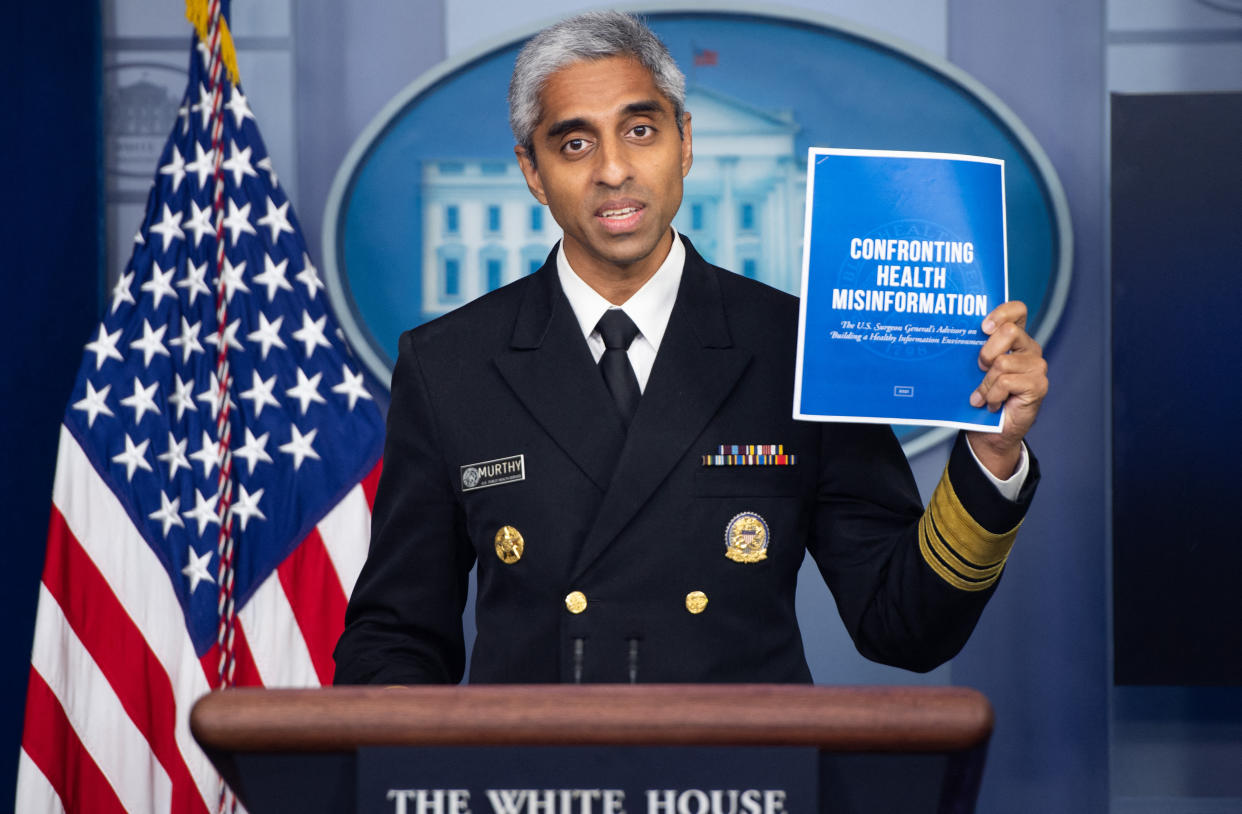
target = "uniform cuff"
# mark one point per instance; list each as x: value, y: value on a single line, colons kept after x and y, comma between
x: 968, y: 528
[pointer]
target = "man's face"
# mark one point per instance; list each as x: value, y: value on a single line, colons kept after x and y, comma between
x: 609, y: 163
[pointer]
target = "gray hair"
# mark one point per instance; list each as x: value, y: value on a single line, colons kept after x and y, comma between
x: 590, y: 36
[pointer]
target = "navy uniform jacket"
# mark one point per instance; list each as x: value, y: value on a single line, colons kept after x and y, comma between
x: 635, y: 522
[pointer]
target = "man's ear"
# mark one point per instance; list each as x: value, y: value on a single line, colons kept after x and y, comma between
x: 687, y: 147
x: 533, y: 182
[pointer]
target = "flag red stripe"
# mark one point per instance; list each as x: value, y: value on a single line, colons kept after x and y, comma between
x: 245, y: 674
x: 108, y: 633
x: 54, y: 747
x: 371, y: 482
x: 314, y: 592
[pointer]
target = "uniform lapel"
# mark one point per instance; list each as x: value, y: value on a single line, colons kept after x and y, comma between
x: 696, y: 368
x: 551, y: 371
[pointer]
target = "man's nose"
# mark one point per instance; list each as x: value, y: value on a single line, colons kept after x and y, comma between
x: 613, y: 166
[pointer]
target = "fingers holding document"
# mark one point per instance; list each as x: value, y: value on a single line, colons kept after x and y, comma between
x: 1016, y: 378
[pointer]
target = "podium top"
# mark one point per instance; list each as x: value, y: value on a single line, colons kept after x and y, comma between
x: 337, y: 719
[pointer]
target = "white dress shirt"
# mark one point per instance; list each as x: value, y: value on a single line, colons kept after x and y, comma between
x: 650, y: 308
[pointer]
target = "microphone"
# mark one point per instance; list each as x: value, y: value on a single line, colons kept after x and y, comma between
x: 579, y: 648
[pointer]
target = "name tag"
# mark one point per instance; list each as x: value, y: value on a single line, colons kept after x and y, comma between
x: 493, y: 473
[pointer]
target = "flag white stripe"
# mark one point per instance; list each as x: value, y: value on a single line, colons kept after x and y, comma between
x: 95, y: 713
x: 341, y: 529
x: 99, y: 523
x: 276, y: 644
x: 35, y: 794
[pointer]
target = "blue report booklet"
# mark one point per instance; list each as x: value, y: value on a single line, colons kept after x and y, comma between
x: 903, y: 256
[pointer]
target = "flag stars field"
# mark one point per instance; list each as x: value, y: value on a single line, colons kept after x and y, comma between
x: 309, y: 276
x: 311, y: 333
x: 246, y: 508
x: 210, y: 396
x: 273, y: 277
x: 195, y: 281
x: 169, y: 227
x: 203, y: 165
x: 174, y: 456
x: 94, y: 403
x: 143, y: 400
x: 168, y: 513
x: 234, y: 280
x: 175, y: 168
x: 260, y: 393
x: 133, y: 458
x: 267, y: 335
x: 265, y: 164
x: 151, y: 343
x: 299, y: 446
x: 238, y: 163
x: 121, y: 293
x: 182, y: 396
x: 237, y: 221
x: 204, y: 511
x: 160, y: 285
x: 254, y: 450
x: 351, y: 386
x: 208, y: 454
x: 306, y: 390
x: 187, y: 340
x: 199, y: 222
x: 203, y: 105
x: 104, y: 346
x: 196, y: 568
x: 276, y: 219
x: 239, y: 107
x: 230, y: 336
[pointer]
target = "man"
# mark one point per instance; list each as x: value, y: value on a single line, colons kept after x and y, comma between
x: 561, y: 445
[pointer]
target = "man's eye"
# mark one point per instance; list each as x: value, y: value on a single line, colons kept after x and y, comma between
x: 575, y: 145
x: 642, y: 131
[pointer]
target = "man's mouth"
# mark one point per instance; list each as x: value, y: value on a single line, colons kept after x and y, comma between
x: 619, y: 217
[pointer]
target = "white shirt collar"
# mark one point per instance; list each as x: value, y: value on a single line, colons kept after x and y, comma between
x: 649, y: 306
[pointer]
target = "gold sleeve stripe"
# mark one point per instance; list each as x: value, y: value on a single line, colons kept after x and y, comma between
x: 944, y: 550
x: 934, y: 552
x: 950, y: 567
x: 972, y: 541
x: 962, y: 552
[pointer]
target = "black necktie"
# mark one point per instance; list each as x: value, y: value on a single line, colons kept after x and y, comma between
x: 618, y: 331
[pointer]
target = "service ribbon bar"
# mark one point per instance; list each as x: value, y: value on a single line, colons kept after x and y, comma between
x: 750, y: 449
x: 750, y: 455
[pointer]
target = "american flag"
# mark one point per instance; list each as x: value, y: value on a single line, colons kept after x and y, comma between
x: 706, y: 56
x: 214, y: 482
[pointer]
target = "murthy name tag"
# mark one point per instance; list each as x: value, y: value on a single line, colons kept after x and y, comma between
x: 493, y: 473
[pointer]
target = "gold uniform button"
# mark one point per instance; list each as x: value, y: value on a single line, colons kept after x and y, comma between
x: 696, y: 601
x: 509, y: 545
x: 576, y: 602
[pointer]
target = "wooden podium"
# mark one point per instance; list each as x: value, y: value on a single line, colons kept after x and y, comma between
x: 889, y: 749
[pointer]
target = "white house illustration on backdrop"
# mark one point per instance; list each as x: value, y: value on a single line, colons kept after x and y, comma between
x: 742, y: 207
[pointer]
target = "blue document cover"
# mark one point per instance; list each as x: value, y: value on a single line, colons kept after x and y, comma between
x: 903, y: 256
